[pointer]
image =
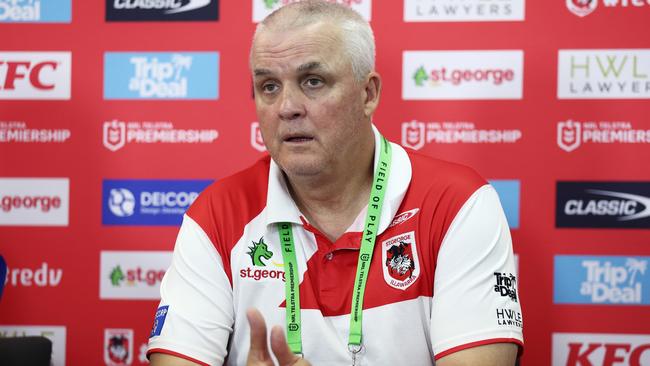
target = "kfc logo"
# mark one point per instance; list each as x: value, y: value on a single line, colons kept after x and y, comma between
x: 413, y: 134
x: 568, y: 135
x: 256, y: 137
x: 581, y: 8
x: 591, y: 349
x: 35, y: 75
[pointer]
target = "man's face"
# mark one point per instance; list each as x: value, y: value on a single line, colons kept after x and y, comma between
x: 309, y: 106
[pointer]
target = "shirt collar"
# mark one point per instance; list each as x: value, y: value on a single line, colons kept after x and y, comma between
x: 280, y: 207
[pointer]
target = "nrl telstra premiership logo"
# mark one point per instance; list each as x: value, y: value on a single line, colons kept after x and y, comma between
x: 581, y: 8
x: 568, y: 135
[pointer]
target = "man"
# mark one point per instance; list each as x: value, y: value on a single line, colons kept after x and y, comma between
x: 439, y: 280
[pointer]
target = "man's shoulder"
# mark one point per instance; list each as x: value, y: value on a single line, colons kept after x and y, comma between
x: 244, y: 191
x: 430, y: 172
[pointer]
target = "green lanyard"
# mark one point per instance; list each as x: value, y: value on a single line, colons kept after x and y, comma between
x: 292, y: 282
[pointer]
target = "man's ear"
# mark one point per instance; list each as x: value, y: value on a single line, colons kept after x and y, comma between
x: 372, y: 92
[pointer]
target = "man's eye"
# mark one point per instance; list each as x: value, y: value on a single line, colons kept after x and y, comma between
x: 313, y: 82
x: 269, y: 88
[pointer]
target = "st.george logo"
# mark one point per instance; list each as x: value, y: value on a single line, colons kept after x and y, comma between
x: 581, y: 8
x: 258, y: 251
x: 400, y: 262
x: 568, y: 135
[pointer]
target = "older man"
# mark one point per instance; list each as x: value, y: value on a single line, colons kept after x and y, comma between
x: 359, y: 251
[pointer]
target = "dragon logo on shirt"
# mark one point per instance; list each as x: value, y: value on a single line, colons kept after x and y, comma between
x: 400, y: 259
x: 258, y: 251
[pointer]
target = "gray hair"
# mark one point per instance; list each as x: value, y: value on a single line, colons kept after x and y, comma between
x: 358, y: 38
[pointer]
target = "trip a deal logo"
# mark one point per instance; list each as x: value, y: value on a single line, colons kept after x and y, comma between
x: 162, y: 10
x: 591, y: 349
x: 35, y: 11
x: 604, y: 74
x: 462, y: 75
x: 35, y: 75
x: 613, y: 280
x: 262, y: 8
x: 148, y: 202
x: 161, y: 75
x: 603, y: 205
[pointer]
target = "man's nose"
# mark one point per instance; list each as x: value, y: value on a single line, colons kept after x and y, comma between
x: 291, y: 104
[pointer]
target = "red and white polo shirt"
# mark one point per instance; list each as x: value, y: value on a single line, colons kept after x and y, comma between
x: 442, y: 277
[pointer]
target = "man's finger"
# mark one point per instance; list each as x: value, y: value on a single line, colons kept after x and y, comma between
x: 258, y: 351
x: 281, y: 349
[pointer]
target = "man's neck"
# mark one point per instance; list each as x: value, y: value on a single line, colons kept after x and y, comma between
x: 331, y: 203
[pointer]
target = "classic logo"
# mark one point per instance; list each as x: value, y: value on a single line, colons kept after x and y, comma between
x: 116, y: 134
x: 591, y: 349
x: 603, y: 204
x: 261, y: 256
x: 35, y: 75
x: 262, y: 8
x: 256, y: 137
x: 415, y: 134
x: 462, y: 75
x: 34, y: 201
x: 581, y: 8
x: 506, y: 285
x: 18, y: 132
x: 573, y: 134
x: 568, y: 135
x: 404, y: 216
x: 35, y: 11
x: 604, y: 74
x: 43, y: 276
x: 148, y: 202
x: 161, y: 75
x: 509, y: 195
x: 132, y: 274
x: 56, y: 334
x: 400, y: 261
x: 161, y: 10
x: 118, y: 347
x: 614, y: 280
x: 466, y: 11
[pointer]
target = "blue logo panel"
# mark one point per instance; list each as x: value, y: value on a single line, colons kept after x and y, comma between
x: 35, y: 11
x: 508, y: 191
x: 159, y: 321
x: 161, y: 75
x: 606, y: 280
x: 148, y: 202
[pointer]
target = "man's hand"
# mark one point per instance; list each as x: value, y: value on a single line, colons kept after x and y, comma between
x: 258, y: 355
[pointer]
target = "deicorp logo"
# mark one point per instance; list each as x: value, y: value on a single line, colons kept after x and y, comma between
x: 591, y: 349
x: 462, y: 75
x: 148, y: 202
x: 35, y: 75
x: 604, y: 74
x: 468, y: 10
x: 161, y: 75
x: 35, y: 11
x: 132, y: 274
x: 614, y: 280
x: 262, y: 8
x: 603, y: 204
x: 34, y: 201
x: 129, y: 10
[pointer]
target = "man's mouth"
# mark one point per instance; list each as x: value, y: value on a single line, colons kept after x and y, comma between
x: 298, y: 139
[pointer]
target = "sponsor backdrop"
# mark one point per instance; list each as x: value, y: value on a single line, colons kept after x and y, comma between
x: 115, y: 115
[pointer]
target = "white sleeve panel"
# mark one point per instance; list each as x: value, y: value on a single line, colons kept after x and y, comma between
x: 199, y: 295
x: 475, y: 297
